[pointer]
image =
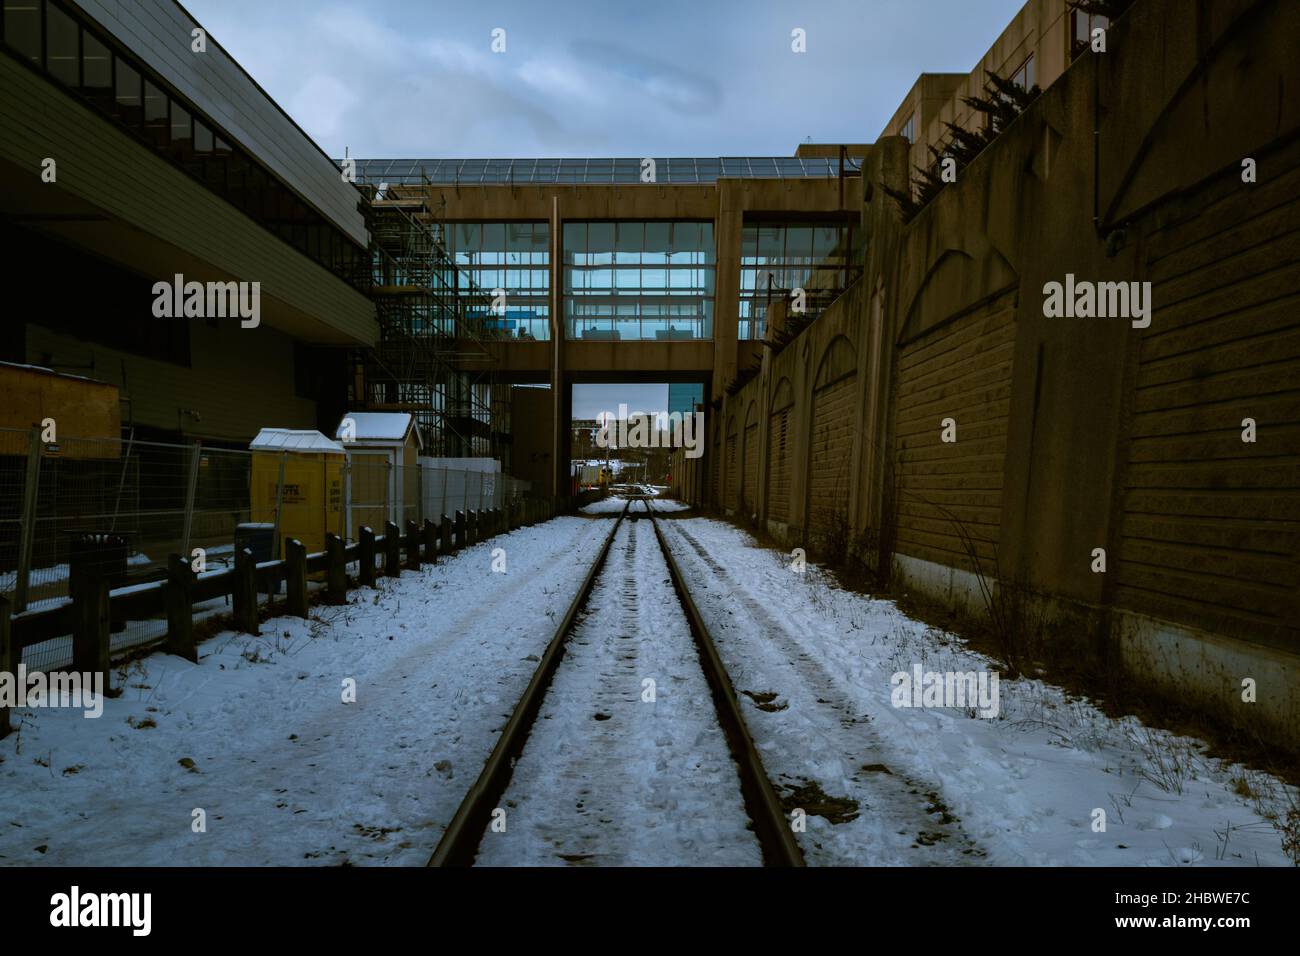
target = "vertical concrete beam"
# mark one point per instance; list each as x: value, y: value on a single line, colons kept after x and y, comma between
x: 559, y: 400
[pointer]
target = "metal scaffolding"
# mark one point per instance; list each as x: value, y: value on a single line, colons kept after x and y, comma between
x: 432, y: 359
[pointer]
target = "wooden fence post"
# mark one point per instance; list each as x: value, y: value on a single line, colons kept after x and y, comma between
x: 244, y: 592
x: 90, y: 637
x: 336, y: 570
x: 180, y: 608
x: 460, y: 530
x: 366, y: 551
x: 412, y: 545
x: 392, y: 550
x: 471, y: 526
x: 6, y: 658
x: 295, y: 576
x: 430, y: 541
x: 444, y: 535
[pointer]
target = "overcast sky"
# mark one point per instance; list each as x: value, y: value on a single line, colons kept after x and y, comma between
x: 418, y: 78
x: 591, y: 400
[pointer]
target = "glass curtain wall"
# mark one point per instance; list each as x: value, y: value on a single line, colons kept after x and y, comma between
x: 510, y: 256
x: 821, y: 258
x: 639, y: 280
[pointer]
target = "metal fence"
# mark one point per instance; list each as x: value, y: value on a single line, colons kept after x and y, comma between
x: 379, y: 491
x: 124, y: 506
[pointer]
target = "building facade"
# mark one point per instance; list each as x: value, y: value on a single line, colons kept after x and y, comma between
x: 134, y: 153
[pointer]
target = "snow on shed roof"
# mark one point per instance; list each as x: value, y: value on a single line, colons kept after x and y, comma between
x: 378, y: 426
x: 290, y: 439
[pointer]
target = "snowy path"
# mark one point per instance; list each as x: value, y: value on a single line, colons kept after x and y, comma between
x: 939, y: 785
x: 608, y: 778
x: 809, y: 731
x: 285, y: 772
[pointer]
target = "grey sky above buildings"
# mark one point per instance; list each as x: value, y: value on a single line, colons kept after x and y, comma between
x: 593, y: 399
x: 418, y: 78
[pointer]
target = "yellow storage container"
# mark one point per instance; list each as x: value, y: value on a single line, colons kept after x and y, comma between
x: 311, y: 503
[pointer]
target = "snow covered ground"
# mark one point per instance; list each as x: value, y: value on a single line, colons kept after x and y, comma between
x: 813, y: 666
x: 605, y: 506
x: 608, y: 777
x: 257, y: 741
x: 669, y: 506
x: 257, y: 736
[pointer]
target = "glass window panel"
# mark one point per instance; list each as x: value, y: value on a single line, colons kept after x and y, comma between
x: 658, y: 240
x: 769, y: 242
x: 600, y: 242
x: 825, y: 239
x: 23, y: 28
x: 202, y: 138
x: 96, y: 71
x: 467, y: 237
x: 494, y: 238
x: 60, y: 45
x: 157, y: 116
x: 575, y: 240
x: 631, y: 239
x: 126, y: 93
x: 519, y: 237
x: 686, y: 236
x: 182, y: 142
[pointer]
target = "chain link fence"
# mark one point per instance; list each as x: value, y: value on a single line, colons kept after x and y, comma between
x: 117, y: 509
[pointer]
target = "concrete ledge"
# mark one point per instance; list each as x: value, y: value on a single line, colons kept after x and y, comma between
x: 1209, y: 669
x: 953, y: 587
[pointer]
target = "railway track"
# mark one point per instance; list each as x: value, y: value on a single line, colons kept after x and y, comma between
x: 603, y: 774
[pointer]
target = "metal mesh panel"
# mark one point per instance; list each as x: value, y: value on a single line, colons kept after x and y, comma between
x: 117, y: 509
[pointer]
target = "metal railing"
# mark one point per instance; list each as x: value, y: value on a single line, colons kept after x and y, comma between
x: 118, y: 509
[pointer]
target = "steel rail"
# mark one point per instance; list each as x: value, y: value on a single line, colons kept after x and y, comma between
x: 775, y: 836
x: 460, y: 841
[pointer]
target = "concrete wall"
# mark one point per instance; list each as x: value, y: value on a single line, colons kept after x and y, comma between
x: 531, y: 416
x: 1077, y: 434
x: 232, y: 389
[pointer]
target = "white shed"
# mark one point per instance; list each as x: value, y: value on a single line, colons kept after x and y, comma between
x: 382, y: 448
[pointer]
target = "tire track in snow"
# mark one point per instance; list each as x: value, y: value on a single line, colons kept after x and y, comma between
x: 901, y: 820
